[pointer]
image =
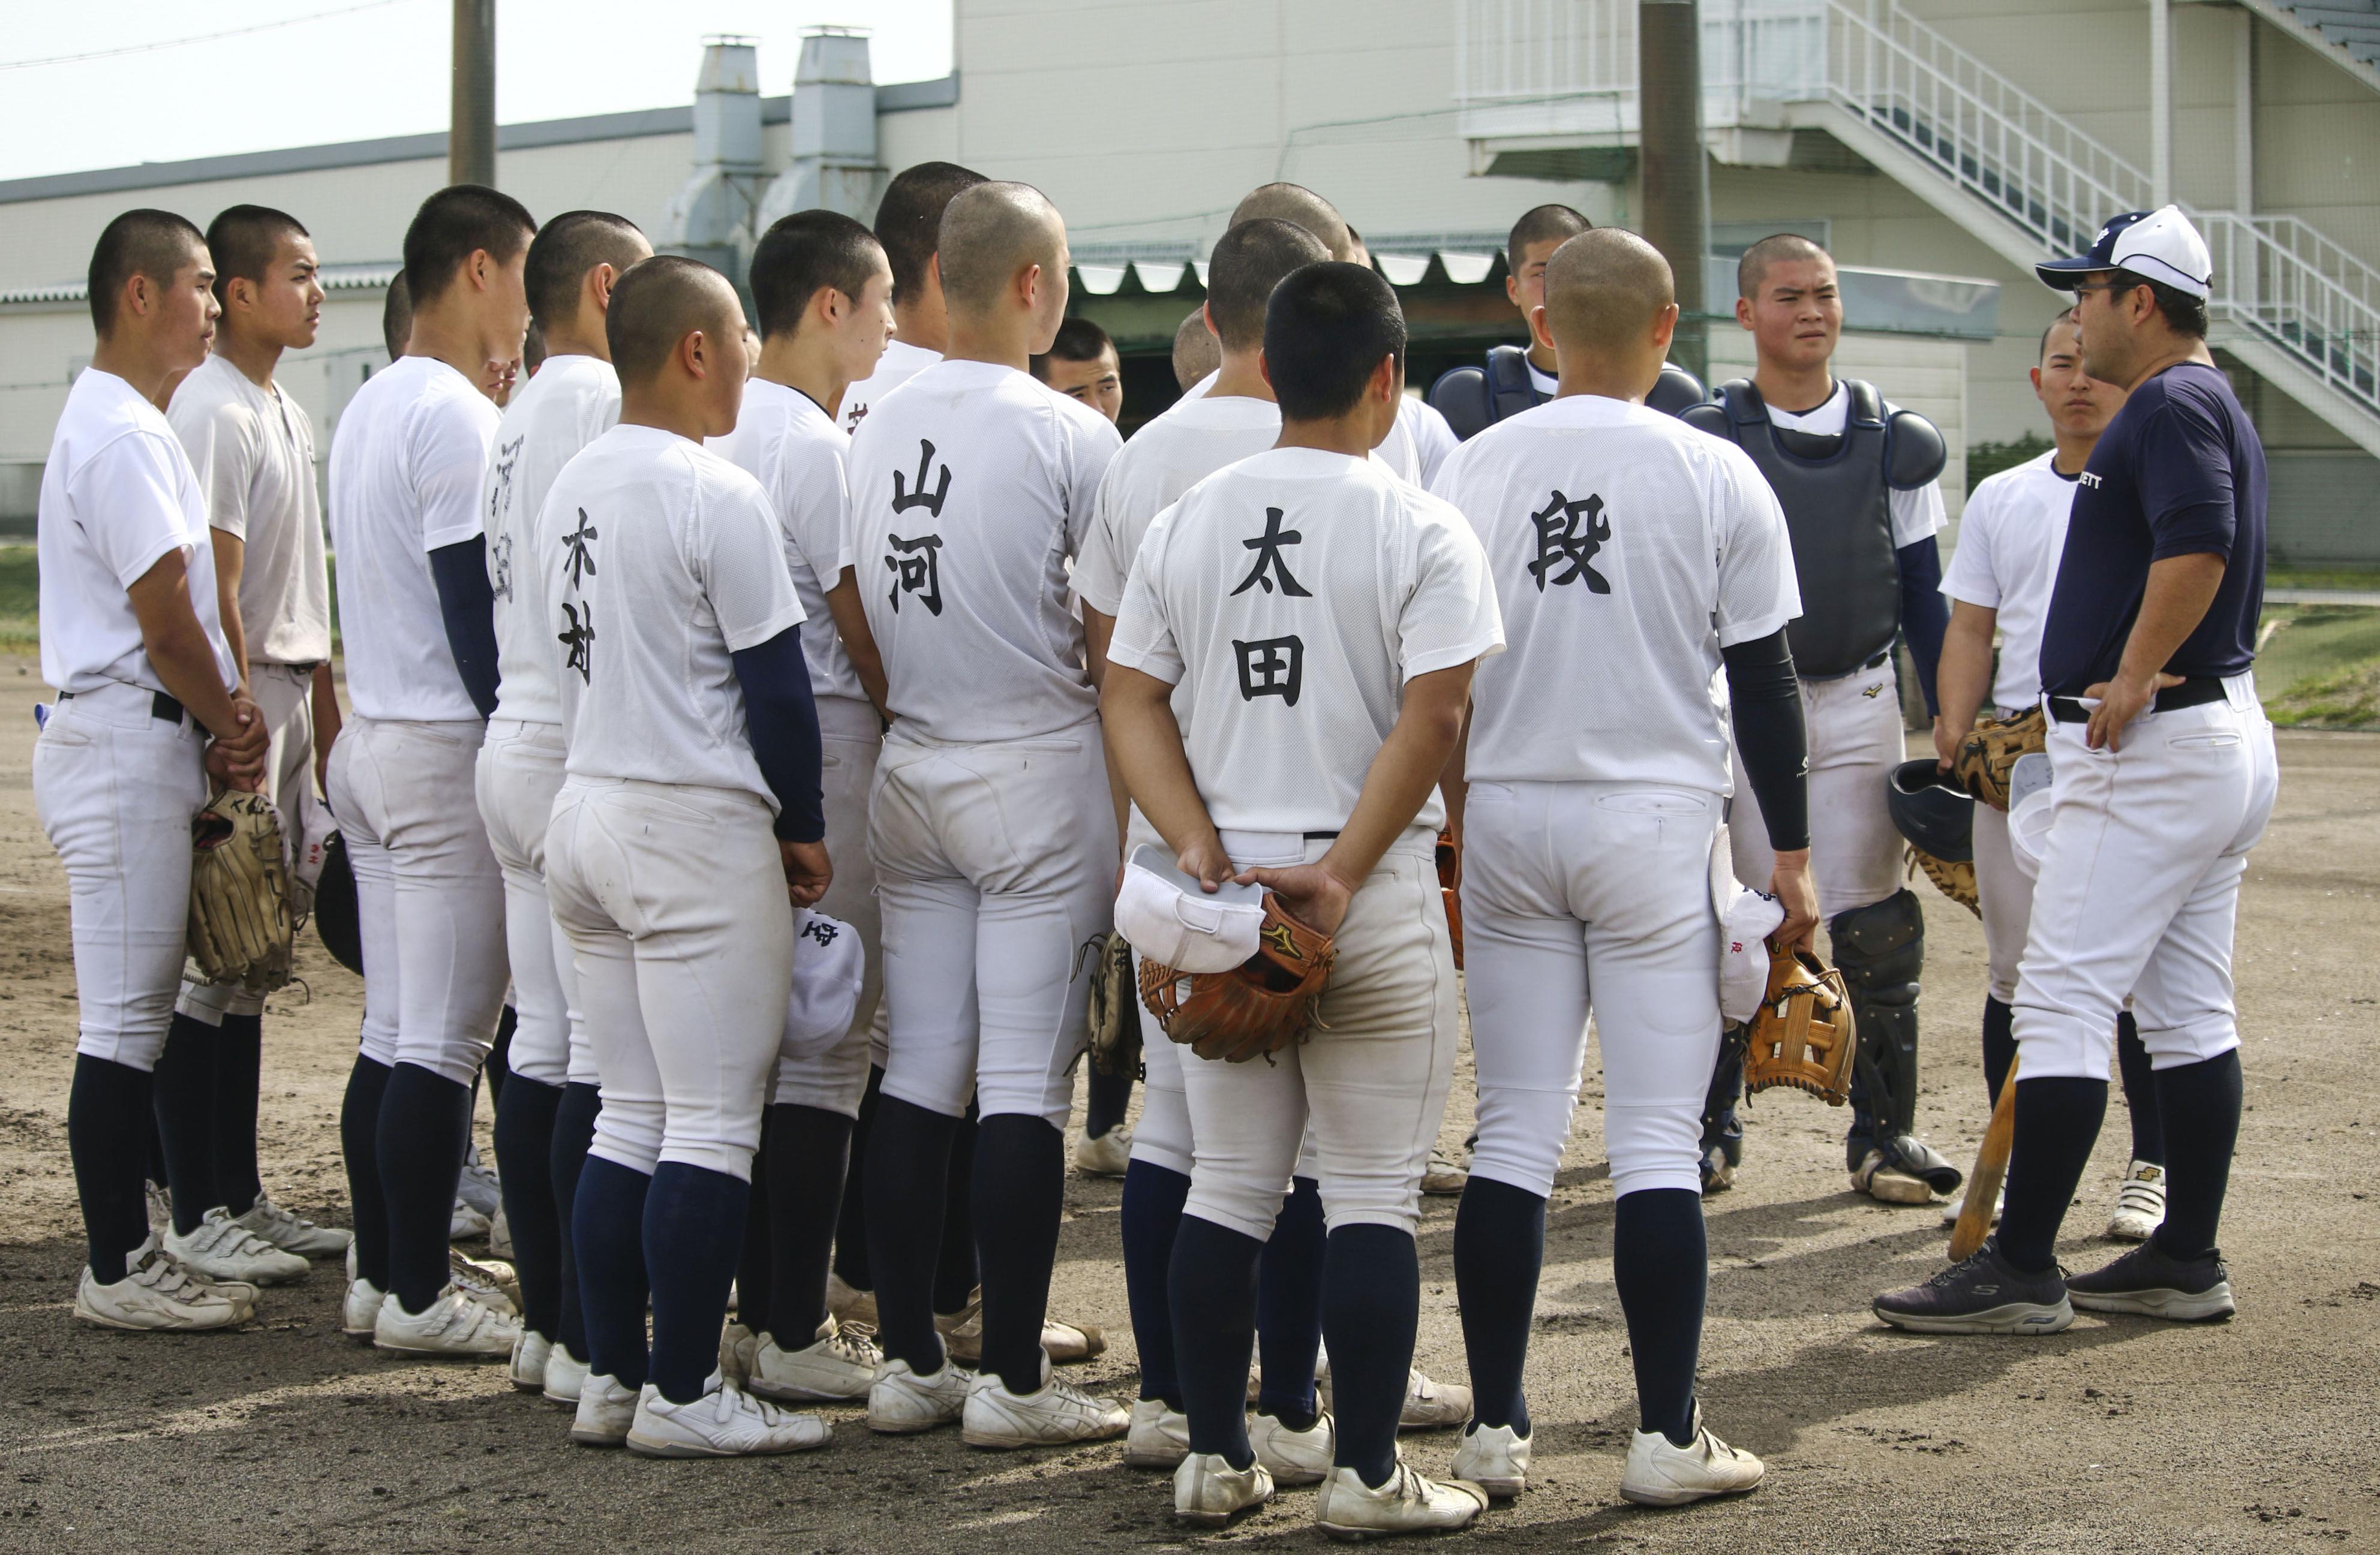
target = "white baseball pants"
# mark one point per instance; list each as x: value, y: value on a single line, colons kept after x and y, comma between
x: 996, y: 868
x: 674, y: 899
x: 430, y: 898
x: 1855, y: 741
x: 1591, y: 898
x: 850, y: 739
x: 519, y: 773
x: 1371, y: 1078
x: 2139, y: 889
x: 115, y: 789
x: 2005, y: 897
x: 284, y: 695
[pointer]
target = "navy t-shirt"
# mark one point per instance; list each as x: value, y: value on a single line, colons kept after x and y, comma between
x: 2178, y: 472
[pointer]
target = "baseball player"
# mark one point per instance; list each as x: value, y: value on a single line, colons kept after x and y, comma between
x: 408, y: 465
x: 545, y: 1111
x: 1634, y: 557
x: 2163, y: 778
x: 2000, y: 578
x: 1197, y: 353
x: 149, y: 708
x: 908, y: 224
x: 397, y: 316
x: 824, y: 291
x: 687, y: 830
x: 1857, y: 479
x: 1082, y: 364
x: 253, y: 450
x: 1421, y: 439
x: 995, y: 855
x: 1286, y: 680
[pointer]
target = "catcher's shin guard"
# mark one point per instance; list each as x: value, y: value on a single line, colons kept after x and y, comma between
x: 1722, y: 1143
x: 1880, y: 950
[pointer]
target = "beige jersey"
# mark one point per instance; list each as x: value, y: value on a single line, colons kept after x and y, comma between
x: 253, y: 450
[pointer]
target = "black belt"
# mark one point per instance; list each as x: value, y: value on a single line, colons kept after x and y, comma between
x: 1321, y: 836
x: 160, y: 706
x: 2196, y: 691
x: 1877, y: 661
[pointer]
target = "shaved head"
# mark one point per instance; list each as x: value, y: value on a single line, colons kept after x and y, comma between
x: 1302, y: 207
x: 1558, y: 224
x: 1247, y: 263
x: 657, y: 303
x: 1196, y: 352
x: 1604, y: 289
x: 1753, y: 268
x: 989, y: 232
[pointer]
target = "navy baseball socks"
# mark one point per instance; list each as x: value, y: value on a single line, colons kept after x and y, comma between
x: 182, y: 1089
x: 1211, y: 1289
x: 1020, y: 1186
x: 2131, y: 1062
x: 1999, y: 1046
x: 607, y: 1229
x: 1149, y: 1220
x: 1289, y: 1308
x: 1371, y: 1302
x: 1107, y: 1099
x: 524, y: 1137
x: 1660, y: 1260
x: 359, y: 1136
x: 574, y: 1130
x: 425, y: 1121
x: 693, y: 1234
x: 1499, y: 1241
x: 908, y: 1169
x: 108, y: 1122
x: 240, y: 1070
x: 806, y: 1157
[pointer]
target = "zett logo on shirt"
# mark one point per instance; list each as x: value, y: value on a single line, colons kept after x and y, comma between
x: 2091, y: 480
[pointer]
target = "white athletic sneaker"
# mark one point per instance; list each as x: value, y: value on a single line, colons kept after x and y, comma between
x: 500, y: 1234
x: 485, y: 1280
x: 1888, y: 1183
x: 962, y: 1334
x: 725, y: 1421
x: 738, y: 1343
x: 606, y: 1411
x: 531, y: 1352
x: 1428, y: 1407
x: 292, y: 1234
x: 1957, y: 1207
x: 837, y: 1367
x: 478, y: 1186
x: 1208, y: 1492
x: 1661, y: 1473
x: 1157, y: 1438
x: 2140, y: 1203
x: 566, y: 1374
x: 1104, y: 1155
x: 219, y: 1249
x: 359, y: 1313
x: 848, y: 1307
x: 468, y: 1225
x: 454, y: 1325
x: 1058, y: 1413
x: 1293, y: 1457
x: 1495, y: 1458
x: 902, y: 1402
x: 156, y: 1295
x: 1446, y: 1174
x: 1408, y: 1504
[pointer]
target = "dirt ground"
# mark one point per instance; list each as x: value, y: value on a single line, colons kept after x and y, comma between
x: 2120, y: 1435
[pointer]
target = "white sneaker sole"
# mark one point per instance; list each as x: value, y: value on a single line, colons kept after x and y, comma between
x: 1001, y: 1441
x: 586, y: 1438
x: 1897, y: 1190
x: 780, y: 1392
x: 1219, y: 1519
x: 1501, y: 1487
x: 1680, y: 1495
x: 178, y: 1325
x: 1169, y: 1459
x: 909, y: 1427
x: 1349, y: 1532
x: 2025, y: 1318
x: 2178, y: 1306
x: 654, y: 1447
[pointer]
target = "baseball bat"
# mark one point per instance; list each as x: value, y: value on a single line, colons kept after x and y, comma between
x: 1984, y: 1183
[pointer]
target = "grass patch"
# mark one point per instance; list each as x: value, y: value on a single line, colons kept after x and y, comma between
x: 2366, y: 580
x: 21, y: 596
x: 2319, y: 667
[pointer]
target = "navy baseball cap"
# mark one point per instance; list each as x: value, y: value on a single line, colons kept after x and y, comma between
x: 2159, y: 245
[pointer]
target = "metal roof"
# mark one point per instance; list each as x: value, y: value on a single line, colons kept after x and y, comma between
x: 371, y: 275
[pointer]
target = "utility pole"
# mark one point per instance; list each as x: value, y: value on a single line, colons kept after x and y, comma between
x: 1670, y: 159
x: 471, y: 139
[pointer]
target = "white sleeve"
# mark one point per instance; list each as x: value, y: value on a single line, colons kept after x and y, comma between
x: 450, y: 470
x: 222, y: 447
x: 1972, y: 575
x: 814, y: 499
x: 1757, y: 592
x: 742, y: 566
x: 1450, y: 617
x: 130, y: 495
x: 1090, y: 450
x: 1918, y: 514
x: 1434, y: 439
x: 1144, y: 640
x: 1100, y: 573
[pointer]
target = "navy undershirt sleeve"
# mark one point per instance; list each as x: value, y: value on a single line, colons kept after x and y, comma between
x: 1924, y: 615
x: 1765, y: 696
x: 468, y: 603
x: 782, y: 722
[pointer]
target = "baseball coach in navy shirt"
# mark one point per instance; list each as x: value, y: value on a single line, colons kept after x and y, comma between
x: 2163, y: 779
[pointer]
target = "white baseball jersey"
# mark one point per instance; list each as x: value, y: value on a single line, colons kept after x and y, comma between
x: 785, y: 440
x: 663, y: 560
x: 253, y: 450
x: 1916, y: 514
x: 1420, y: 441
x: 407, y: 462
x: 900, y: 363
x: 970, y: 489
x: 1192, y: 440
x: 571, y: 401
x: 1296, y: 592
x: 2009, y: 539
x: 117, y: 494
x: 1628, y: 549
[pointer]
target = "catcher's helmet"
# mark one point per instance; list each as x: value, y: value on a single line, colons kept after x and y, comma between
x: 1935, y: 818
x: 335, y: 907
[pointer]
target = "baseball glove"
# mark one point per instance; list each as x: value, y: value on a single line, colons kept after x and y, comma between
x: 1802, y: 1034
x: 1115, y: 1015
x: 1257, y: 1008
x: 1956, y: 881
x: 1989, y: 752
x: 240, y: 925
x: 1450, y: 885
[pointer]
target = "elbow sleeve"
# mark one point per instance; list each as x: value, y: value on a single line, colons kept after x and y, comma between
x: 1924, y: 615
x: 1766, y: 700
x: 781, y: 720
x: 468, y: 604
